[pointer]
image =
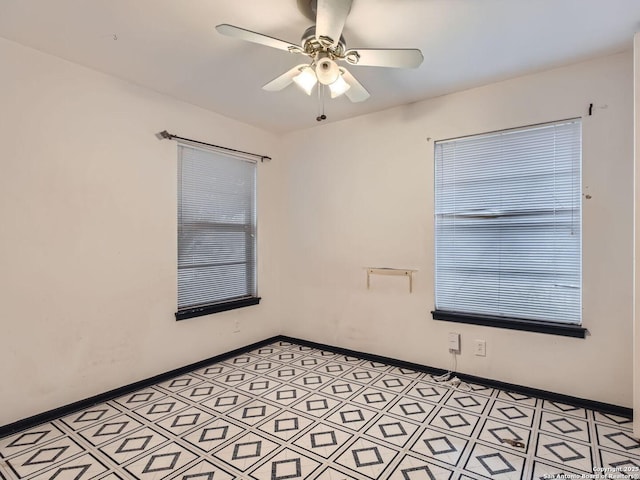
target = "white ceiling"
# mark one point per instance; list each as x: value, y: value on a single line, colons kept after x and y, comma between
x: 171, y: 46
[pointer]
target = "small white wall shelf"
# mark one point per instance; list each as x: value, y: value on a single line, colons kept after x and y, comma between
x: 404, y: 272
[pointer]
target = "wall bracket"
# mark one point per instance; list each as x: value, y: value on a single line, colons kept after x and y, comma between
x: 405, y: 272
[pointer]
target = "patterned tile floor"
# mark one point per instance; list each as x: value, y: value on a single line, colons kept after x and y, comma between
x: 286, y: 411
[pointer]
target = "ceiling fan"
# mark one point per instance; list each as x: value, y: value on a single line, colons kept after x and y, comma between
x: 325, y: 45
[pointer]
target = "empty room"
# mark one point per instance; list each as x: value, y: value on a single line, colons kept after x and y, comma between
x: 319, y: 239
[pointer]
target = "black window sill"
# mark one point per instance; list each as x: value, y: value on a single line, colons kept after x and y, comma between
x: 216, y: 307
x: 552, y: 328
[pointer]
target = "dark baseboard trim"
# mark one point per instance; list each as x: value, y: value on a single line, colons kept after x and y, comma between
x: 534, y: 392
x: 103, y: 397
x: 110, y: 395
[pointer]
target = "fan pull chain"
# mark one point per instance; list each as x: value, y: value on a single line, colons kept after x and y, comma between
x: 322, y: 116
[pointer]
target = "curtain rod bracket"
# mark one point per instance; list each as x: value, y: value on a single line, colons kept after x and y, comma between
x: 163, y: 134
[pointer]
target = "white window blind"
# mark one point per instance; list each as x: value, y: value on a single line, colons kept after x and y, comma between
x: 216, y: 228
x: 508, y: 224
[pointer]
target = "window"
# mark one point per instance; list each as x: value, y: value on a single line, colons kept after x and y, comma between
x: 216, y: 232
x: 508, y: 229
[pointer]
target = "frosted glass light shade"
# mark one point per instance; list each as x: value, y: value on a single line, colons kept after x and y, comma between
x: 306, y: 79
x: 327, y: 71
x: 339, y: 87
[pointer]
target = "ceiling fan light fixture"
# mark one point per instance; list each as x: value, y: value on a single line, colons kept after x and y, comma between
x: 339, y: 87
x: 306, y: 79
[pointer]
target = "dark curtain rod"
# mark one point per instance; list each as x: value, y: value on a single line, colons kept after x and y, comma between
x: 170, y: 136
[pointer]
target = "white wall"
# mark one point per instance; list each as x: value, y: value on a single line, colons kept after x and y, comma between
x: 360, y: 193
x: 88, y: 243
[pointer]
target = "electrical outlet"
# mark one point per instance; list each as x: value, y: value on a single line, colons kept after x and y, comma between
x: 454, y: 342
x: 236, y: 326
x: 480, y: 348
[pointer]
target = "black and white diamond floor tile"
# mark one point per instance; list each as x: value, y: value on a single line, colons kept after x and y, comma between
x: 212, y: 370
x: 392, y: 430
x: 180, y: 383
x: 309, y: 362
x: 226, y: 401
x: 412, y: 410
x: 234, y: 377
x: 566, y: 426
x: 353, y: 417
x: 495, y: 464
x: 544, y: 471
x: 204, y: 470
x: 428, y: 391
x: 287, y: 411
x: 141, y: 397
x: 334, y: 474
x: 285, y: 373
x: 286, y: 425
x: 161, y: 463
x: 254, y: 412
x: 286, y: 394
x: 115, y: 427
x: 512, y: 413
x: 44, y: 456
x: 133, y: 445
x: 336, y: 369
x: 367, y: 458
x: 462, y: 423
x: 412, y: 468
x: 393, y: 383
x: 342, y: 388
x: 95, y: 414
x: 436, y: 445
x: 84, y: 467
x: 505, y: 435
x: 323, y: 440
x: 564, y: 451
x: 615, y: 421
x: 201, y: 391
x: 519, y: 398
x: 211, y: 435
x: 362, y: 375
x: 184, y: 421
x: 316, y: 405
x: 29, y: 439
x: 161, y: 408
x: 246, y: 451
x: 285, y: 465
x: 312, y: 380
x: 467, y: 402
x: 375, y: 398
x: 615, y: 439
x: 621, y: 464
x: 259, y: 386
x: 564, y: 409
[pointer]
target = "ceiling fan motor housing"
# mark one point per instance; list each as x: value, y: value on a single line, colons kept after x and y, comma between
x: 312, y: 45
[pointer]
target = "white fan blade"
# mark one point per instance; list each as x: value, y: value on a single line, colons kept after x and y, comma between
x: 249, y: 36
x: 385, y: 57
x: 331, y: 16
x: 357, y: 93
x: 283, y: 80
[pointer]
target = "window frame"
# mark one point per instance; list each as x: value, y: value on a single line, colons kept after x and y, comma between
x: 249, y: 229
x: 558, y: 327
